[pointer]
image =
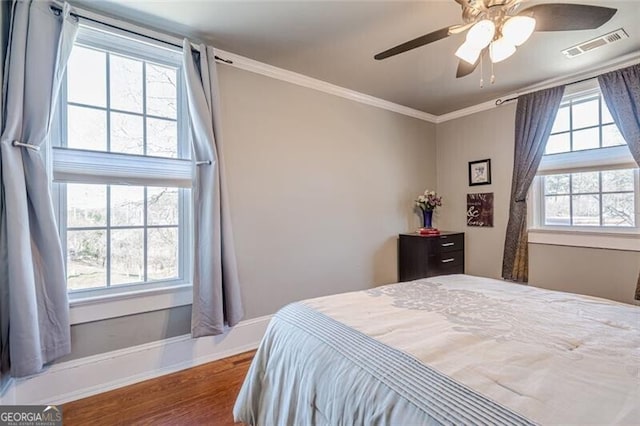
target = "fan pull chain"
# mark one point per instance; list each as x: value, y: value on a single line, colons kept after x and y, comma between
x: 481, y: 73
x: 493, y: 76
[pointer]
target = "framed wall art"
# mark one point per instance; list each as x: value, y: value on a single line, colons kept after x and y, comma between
x: 480, y: 209
x: 480, y: 172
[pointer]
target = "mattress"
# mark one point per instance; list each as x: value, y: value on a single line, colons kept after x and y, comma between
x: 453, y: 349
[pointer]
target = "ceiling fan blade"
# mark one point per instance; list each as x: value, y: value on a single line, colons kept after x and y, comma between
x: 457, y: 29
x: 412, y: 44
x: 465, y: 68
x: 568, y: 17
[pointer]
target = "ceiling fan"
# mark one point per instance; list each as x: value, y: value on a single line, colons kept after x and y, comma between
x: 499, y: 27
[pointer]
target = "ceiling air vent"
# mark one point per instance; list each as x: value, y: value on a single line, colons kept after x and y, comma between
x: 587, y: 46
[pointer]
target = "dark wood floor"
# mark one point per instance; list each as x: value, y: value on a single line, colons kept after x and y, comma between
x: 202, y: 395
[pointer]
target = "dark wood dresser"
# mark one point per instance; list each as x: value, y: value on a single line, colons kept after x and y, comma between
x: 420, y: 256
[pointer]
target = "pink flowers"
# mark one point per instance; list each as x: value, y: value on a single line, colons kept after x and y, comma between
x: 429, y: 200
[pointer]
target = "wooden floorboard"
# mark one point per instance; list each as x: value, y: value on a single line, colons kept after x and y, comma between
x: 202, y: 395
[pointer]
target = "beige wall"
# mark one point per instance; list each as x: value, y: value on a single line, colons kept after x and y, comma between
x: 489, y: 134
x: 604, y: 273
x: 320, y: 187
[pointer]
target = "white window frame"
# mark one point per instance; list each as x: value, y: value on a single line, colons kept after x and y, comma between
x: 610, y: 158
x: 69, y: 166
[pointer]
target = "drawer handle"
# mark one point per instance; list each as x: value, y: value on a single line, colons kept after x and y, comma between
x: 448, y: 260
x: 448, y: 244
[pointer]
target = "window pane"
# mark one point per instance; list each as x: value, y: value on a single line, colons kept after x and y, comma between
x: 618, y: 210
x: 586, y: 139
x: 126, y: 83
x: 162, y: 262
x: 611, y: 136
x: 606, y: 114
x: 86, y: 128
x: 586, y: 114
x: 162, y: 206
x: 162, y: 138
x: 87, y: 77
x: 161, y: 91
x: 126, y: 133
x: 563, y: 122
x: 86, y: 205
x: 557, y: 210
x: 586, y: 210
x: 617, y: 180
x: 585, y: 182
x: 127, y: 256
x: 127, y: 205
x: 558, y: 143
x: 556, y: 184
x: 86, y: 259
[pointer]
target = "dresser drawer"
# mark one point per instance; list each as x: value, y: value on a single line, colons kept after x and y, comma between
x: 449, y: 270
x: 451, y: 242
x: 450, y: 258
x: 451, y: 262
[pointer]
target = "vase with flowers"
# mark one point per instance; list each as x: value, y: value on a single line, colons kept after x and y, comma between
x: 427, y: 203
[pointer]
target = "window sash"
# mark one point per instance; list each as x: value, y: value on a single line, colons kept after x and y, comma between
x: 185, y: 236
x: 575, y: 95
x: 598, y: 159
x: 84, y: 166
x: 538, y: 216
x: 111, y: 168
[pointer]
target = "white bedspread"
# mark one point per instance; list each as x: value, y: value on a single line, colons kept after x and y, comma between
x: 553, y: 357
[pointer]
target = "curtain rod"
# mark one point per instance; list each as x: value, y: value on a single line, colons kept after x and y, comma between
x: 502, y: 101
x: 57, y: 11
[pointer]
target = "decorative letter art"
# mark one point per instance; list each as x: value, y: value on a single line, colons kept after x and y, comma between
x: 480, y: 209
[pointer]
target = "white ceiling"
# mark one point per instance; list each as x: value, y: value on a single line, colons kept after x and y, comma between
x: 335, y: 41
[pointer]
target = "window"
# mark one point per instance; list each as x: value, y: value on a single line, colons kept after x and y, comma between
x: 121, y: 166
x: 587, y: 179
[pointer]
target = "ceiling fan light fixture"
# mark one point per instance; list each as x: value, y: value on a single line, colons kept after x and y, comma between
x: 468, y: 53
x: 518, y: 29
x: 500, y: 50
x: 481, y: 34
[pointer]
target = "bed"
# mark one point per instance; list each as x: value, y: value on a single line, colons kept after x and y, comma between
x: 452, y: 349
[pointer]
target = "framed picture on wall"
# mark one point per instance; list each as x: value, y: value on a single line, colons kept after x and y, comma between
x: 480, y: 172
x: 480, y: 209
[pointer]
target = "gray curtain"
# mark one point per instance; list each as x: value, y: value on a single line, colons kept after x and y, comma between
x: 621, y: 91
x: 535, y: 115
x: 216, y: 287
x: 33, y: 290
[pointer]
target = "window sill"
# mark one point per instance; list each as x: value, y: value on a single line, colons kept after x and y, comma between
x: 612, y: 240
x: 104, y: 307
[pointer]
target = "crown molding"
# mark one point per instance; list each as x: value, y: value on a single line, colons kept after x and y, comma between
x: 612, y: 65
x: 466, y: 111
x: 320, y: 85
x: 323, y: 86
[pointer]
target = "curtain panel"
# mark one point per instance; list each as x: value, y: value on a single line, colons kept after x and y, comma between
x: 621, y: 91
x: 34, y: 310
x: 535, y: 115
x: 216, y: 287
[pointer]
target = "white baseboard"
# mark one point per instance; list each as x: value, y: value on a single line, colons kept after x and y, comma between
x: 80, y: 378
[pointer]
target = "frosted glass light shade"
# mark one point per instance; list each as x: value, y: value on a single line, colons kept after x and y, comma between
x: 468, y: 53
x: 518, y: 29
x: 500, y: 50
x: 481, y: 34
